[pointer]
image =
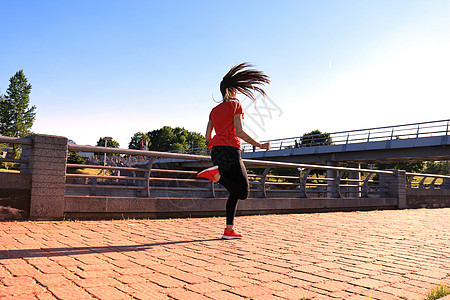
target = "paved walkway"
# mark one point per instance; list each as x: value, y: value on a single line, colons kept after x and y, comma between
x: 346, y: 255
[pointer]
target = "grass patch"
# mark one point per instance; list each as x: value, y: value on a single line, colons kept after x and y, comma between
x: 9, y: 171
x: 437, y: 292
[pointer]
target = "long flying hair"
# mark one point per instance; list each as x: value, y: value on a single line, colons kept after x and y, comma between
x: 244, y: 80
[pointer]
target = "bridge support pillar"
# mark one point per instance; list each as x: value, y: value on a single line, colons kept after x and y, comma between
x: 331, y: 188
x: 355, y: 192
x: 395, y: 186
x: 47, y: 158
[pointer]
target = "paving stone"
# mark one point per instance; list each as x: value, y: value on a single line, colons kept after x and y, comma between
x: 344, y: 255
x: 107, y: 293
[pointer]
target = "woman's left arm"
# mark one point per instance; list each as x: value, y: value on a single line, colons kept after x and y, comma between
x: 238, y: 126
x: 209, y: 129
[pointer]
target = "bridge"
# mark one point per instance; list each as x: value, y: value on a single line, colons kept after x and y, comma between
x: 426, y: 141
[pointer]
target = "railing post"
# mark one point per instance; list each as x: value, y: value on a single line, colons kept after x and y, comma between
x: 355, y: 191
x: 445, y: 184
x: 47, y: 165
x: 396, y: 184
x: 262, y: 192
x: 149, y: 171
x: 432, y: 186
x: 213, y: 191
x: 365, y: 186
x: 336, y: 183
x: 303, y: 180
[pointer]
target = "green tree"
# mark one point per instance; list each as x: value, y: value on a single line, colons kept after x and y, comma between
x: 74, y: 158
x: 16, y: 117
x: 413, y: 167
x: 168, y: 138
x: 438, y: 167
x: 139, y: 141
x: 315, y: 138
x: 109, y: 143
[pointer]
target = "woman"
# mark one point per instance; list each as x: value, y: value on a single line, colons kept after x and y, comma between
x: 226, y: 120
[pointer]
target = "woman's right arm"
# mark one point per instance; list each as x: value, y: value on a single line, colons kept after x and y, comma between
x: 237, y: 120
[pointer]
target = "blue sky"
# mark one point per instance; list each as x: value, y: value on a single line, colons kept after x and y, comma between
x: 113, y: 68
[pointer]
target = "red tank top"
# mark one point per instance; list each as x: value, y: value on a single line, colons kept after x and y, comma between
x: 222, y: 120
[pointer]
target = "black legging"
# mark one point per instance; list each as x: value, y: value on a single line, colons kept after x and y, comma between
x: 233, y: 176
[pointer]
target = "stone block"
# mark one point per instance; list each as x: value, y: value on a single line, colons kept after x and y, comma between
x: 50, y: 172
x: 396, y: 186
x: 128, y: 204
x: 48, y: 139
x: 85, y: 204
x: 15, y: 180
x: 45, y: 191
x: 44, y: 152
x: 46, y: 165
x: 46, y: 207
x: 50, y: 179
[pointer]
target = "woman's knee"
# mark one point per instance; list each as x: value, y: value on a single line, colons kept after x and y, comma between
x: 243, y: 193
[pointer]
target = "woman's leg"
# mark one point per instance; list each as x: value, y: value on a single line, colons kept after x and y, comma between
x: 231, y: 210
x: 233, y: 176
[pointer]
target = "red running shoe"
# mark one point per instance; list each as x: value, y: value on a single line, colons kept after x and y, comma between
x: 209, y: 173
x: 231, y: 234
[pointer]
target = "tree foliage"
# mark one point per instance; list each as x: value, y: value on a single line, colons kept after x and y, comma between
x: 413, y: 167
x: 16, y: 117
x: 315, y: 138
x: 109, y: 143
x: 168, y: 138
x: 74, y: 157
x: 438, y: 167
x: 139, y: 141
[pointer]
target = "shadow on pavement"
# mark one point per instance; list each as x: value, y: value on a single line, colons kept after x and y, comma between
x: 49, y: 252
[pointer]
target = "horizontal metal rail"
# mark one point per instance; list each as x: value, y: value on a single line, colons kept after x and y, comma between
x: 15, y: 161
x: 172, y: 180
x: 14, y: 140
x: 423, y: 184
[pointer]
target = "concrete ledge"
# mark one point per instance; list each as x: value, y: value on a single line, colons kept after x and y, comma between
x: 87, y: 207
x: 15, y: 181
x: 422, y: 198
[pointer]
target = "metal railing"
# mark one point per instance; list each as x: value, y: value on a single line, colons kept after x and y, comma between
x: 386, y: 133
x: 14, y: 141
x: 426, y: 181
x: 156, y: 179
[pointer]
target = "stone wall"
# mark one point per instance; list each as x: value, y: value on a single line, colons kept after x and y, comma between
x: 421, y: 198
x: 15, y: 191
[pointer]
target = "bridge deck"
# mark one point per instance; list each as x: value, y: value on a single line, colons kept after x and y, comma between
x: 414, y: 149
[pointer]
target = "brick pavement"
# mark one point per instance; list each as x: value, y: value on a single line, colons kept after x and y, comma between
x: 393, y: 254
